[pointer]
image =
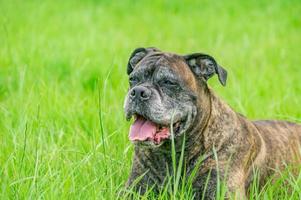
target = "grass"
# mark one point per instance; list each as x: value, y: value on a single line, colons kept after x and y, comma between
x: 63, y: 78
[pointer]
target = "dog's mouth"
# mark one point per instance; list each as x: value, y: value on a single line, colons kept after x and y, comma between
x: 148, y: 132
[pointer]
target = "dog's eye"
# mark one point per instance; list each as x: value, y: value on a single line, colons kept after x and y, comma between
x: 168, y: 83
x: 133, y: 80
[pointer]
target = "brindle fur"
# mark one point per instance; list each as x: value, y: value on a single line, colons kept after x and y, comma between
x: 241, y: 145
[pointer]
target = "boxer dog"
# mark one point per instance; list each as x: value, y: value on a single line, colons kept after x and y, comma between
x: 169, y: 98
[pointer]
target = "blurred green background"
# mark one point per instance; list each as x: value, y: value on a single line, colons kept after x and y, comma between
x: 63, y: 79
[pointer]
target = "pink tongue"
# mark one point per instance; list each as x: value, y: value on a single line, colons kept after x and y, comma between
x: 142, y: 129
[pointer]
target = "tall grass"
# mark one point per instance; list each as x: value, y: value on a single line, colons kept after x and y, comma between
x: 63, y: 134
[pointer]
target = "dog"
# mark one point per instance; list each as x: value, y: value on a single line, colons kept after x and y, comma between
x: 170, y: 100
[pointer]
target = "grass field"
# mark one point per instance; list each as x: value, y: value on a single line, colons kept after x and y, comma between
x: 63, y: 78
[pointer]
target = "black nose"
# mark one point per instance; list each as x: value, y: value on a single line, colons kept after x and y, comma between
x: 141, y: 93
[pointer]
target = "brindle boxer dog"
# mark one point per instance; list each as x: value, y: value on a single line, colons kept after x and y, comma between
x: 169, y: 91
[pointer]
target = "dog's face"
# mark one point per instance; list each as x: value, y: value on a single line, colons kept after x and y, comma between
x: 164, y: 92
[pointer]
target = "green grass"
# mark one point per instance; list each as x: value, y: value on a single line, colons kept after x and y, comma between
x: 63, y: 78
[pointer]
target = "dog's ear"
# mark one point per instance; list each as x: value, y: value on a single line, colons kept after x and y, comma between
x: 137, y: 55
x: 205, y: 66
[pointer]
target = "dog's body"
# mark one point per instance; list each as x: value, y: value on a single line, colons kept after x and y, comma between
x: 230, y: 145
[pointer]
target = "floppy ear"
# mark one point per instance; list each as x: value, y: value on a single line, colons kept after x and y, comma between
x: 137, y: 55
x: 205, y: 66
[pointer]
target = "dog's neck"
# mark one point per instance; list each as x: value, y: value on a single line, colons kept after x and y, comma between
x: 209, y: 132
x: 217, y: 127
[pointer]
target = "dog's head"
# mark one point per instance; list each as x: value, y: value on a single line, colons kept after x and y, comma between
x: 165, y: 93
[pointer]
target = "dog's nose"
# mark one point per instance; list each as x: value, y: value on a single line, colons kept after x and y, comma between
x: 141, y: 93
